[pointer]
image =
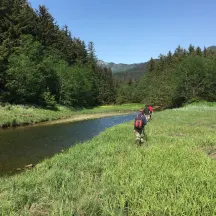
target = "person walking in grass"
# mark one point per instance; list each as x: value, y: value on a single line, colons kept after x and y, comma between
x: 147, y: 112
x: 151, y: 111
x: 139, y: 127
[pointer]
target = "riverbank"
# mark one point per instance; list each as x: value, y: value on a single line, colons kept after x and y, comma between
x: 108, y: 175
x: 17, y: 115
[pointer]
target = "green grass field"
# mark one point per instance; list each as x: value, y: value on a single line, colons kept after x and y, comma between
x: 15, y: 115
x: 170, y: 175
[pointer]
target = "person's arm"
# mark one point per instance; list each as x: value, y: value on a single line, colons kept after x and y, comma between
x: 144, y: 120
x: 134, y: 125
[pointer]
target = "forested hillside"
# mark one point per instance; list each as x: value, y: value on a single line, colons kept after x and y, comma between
x: 42, y: 63
x: 132, y: 74
x: 125, y: 72
x: 176, y: 78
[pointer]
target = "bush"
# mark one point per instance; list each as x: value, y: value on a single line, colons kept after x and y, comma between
x: 48, y: 100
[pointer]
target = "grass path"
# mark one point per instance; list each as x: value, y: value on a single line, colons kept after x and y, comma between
x: 109, y: 175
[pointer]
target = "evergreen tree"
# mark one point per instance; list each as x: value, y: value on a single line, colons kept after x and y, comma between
x: 178, y: 51
x: 81, y: 52
x: 151, y: 65
x: 191, y: 50
x: 169, y: 58
x: 205, y: 52
x: 185, y: 53
x: 95, y: 73
x: 161, y: 64
x: 92, y: 59
x: 47, y: 29
x: 198, y: 51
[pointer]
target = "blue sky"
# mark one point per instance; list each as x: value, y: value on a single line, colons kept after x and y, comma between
x: 133, y: 31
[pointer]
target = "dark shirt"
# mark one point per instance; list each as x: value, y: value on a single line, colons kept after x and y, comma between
x: 146, y: 111
x: 144, y: 121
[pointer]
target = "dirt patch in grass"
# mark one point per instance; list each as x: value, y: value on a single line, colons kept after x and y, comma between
x: 213, y: 155
x: 211, y: 152
x: 177, y: 134
x: 37, y: 210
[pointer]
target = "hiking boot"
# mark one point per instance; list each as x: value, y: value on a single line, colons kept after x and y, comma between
x: 137, y: 142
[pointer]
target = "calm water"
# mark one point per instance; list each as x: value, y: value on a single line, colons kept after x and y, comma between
x: 29, y: 145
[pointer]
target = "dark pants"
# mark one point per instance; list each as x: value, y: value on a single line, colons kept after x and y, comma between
x: 150, y: 114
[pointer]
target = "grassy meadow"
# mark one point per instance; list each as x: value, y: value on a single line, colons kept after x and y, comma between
x: 16, y: 115
x: 109, y: 175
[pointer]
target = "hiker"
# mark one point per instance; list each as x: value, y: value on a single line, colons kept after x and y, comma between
x: 151, y: 111
x: 147, y: 113
x: 139, y: 126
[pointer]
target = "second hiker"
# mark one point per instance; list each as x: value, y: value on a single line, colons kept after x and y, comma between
x: 147, y: 112
x: 151, y: 111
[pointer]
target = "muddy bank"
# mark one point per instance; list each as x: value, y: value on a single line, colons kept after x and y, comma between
x: 82, y: 117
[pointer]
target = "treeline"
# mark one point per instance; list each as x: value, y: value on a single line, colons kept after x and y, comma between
x: 176, y: 78
x: 43, y: 64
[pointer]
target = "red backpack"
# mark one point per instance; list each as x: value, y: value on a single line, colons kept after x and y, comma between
x: 150, y: 108
x: 138, y: 122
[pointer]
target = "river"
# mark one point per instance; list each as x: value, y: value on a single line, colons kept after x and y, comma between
x: 30, y: 145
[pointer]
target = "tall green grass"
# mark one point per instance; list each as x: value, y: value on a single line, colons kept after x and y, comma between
x: 110, y: 175
x: 15, y: 115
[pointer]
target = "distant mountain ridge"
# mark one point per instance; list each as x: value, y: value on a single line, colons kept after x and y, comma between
x: 121, y: 67
x: 132, y: 71
x: 212, y: 48
x: 125, y: 72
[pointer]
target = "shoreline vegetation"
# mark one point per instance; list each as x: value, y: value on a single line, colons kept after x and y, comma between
x: 18, y: 115
x: 109, y: 175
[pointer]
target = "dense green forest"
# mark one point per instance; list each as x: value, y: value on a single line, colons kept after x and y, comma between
x: 174, y: 79
x: 43, y: 64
